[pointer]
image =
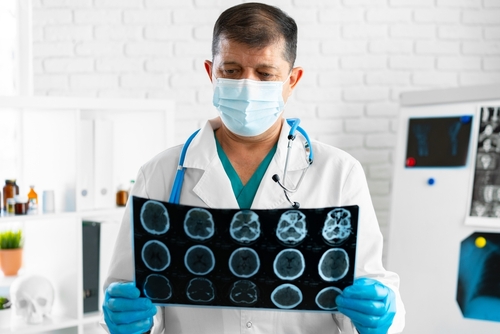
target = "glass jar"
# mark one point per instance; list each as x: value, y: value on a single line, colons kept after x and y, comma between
x: 21, y: 205
x: 10, y: 190
x: 121, y: 196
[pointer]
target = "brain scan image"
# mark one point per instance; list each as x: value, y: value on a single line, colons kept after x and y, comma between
x: 292, y: 227
x: 244, y: 293
x: 333, y: 265
x: 245, y: 226
x: 289, y: 264
x: 155, y: 255
x: 199, y: 260
x: 244, y: 262
x: 286, y: 296
x: 200, y: 290
x: 337, y: 227
x: 199, y: 224
x: 154, y: 217
x: 157, y: 287
x: 325, y: 299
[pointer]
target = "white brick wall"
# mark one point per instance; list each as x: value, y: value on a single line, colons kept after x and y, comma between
x: 358, y: 56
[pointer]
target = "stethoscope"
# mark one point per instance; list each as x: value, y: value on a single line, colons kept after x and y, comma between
x: 175, y: 195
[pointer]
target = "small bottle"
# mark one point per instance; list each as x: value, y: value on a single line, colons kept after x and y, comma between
x: 121, y: 196
x: 32, y: 200
x: 10, y: 190
x: 11, y: 206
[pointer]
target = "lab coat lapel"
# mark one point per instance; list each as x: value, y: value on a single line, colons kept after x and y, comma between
x: 214, y: 187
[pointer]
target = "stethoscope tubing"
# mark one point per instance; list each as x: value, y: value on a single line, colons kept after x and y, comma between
x: 175, y: 194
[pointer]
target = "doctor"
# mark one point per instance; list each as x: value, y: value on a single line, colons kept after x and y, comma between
x: 230, y: 163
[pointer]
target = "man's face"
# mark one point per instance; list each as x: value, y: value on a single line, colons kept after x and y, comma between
x: 238, y: 61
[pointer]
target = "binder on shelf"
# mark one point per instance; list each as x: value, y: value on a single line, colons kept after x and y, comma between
x: 91, y: 235
x: 104, y: 193
x: 86, y: 191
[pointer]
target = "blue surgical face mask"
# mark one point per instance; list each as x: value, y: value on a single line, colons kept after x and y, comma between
x: 248, y: 107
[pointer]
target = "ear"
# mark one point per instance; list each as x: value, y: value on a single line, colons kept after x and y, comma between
x: 208, y: 68
x: 295, y: 77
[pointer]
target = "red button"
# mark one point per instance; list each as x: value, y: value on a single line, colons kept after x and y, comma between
x: 410, y: 162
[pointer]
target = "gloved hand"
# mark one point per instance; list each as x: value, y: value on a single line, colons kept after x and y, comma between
x: 126, y: 313
x: 369, y: 304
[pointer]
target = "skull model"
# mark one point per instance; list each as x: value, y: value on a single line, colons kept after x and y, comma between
x: 292, y: 227
x: 245, y: 226
x: 337, y: 226
x: 32, y: 298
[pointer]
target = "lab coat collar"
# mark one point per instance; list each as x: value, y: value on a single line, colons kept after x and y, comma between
x: 202, y: 154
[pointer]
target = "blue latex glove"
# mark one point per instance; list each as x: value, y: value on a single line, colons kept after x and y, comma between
x: 369, y: 304
x: 126, y: 313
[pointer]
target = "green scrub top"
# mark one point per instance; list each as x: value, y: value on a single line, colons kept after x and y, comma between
x: 244, y: 193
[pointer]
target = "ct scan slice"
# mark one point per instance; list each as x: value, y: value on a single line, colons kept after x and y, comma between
x: 200, y: 290
x: 155, y: 255
x: 199, y: 260
x: 333, y: 265
x: 244, y: 293
x: 289, y: 264
x: 337, y: 226
x: 157, y: 287
x: 279, y: 259
x: 292, y: 227
x: 245, y: 226
x: 199, y: 224
x: 154, y: 217
x: 325, y: 299
x: 286, y: 296
x: 244, y: 262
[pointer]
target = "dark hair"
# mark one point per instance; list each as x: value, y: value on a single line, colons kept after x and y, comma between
x: 256, y: 25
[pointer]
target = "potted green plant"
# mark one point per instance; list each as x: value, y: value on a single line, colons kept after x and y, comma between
x: 11, y: 251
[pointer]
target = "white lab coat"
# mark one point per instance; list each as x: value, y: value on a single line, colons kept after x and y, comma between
x: 334, y: 179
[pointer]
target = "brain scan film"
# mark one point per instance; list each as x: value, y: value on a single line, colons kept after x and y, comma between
x: 286, y: 296
x: 157, y: 287
x: 292, y: 227
x: 333, y: 264
x: 245, y: 226
x: 200, y: 290
x: 325, y: 299
x: 337, y: 227
x: 199, y: 260
x: 244, y: 293
x: 154, y: 217
x: 244, y: 262
x: 277, y: 259
x: 199, y: 224
x: 155, y: 255
x: 289, y: 264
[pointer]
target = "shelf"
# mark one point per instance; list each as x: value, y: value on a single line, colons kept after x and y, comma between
x: 83, y: 150
x: 94, y: 214
x: 49, y: 324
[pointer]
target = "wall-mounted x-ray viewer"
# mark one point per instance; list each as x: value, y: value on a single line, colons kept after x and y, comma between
x: 484, y: 198
x: 427, y: 229
x: 438, y: 141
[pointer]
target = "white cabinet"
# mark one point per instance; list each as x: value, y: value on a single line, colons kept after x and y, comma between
x: 82, y: 149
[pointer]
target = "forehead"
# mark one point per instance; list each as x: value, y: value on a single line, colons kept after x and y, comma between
x: 244, y: 55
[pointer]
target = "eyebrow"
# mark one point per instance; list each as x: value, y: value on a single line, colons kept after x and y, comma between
x: 258, y: 65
